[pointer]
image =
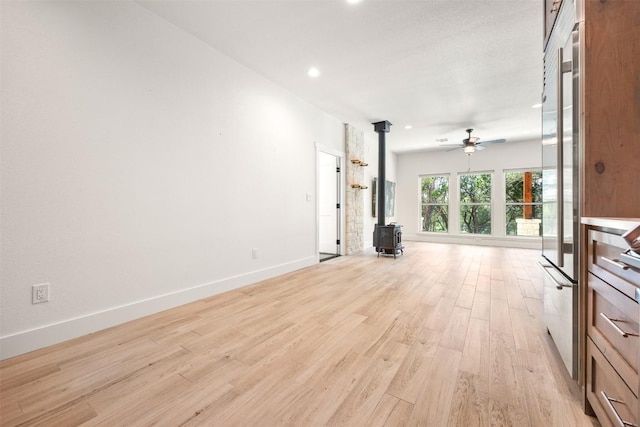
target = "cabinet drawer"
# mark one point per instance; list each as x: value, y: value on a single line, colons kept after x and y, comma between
x: 612, y: 324
x: 604, y: 261
x: 611, y: 399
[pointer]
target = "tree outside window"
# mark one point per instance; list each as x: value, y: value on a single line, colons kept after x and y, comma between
x: 475, y: 203
x: 435, y: 203
x: 523, y: 191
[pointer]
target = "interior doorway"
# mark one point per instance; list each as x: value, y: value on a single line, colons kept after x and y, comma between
x: 329, y: 205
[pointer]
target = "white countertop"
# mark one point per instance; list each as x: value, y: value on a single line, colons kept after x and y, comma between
x: 610, y: 222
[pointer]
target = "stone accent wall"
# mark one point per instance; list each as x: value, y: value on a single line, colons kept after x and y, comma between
x: 528, y: 227
x: 354, y: 197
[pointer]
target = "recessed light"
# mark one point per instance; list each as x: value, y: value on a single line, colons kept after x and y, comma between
x: 354, y: 1
x: 313, y: 72
x: 408, y: 127
x: 536, y: 106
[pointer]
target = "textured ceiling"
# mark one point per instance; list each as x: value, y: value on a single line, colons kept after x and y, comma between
x: 440, y: 66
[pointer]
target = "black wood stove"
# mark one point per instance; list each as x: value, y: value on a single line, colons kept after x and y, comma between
x: 387, y: 239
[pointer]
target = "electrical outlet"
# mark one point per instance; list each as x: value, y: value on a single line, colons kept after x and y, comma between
x: 39, y: 293
x: 254, y: 253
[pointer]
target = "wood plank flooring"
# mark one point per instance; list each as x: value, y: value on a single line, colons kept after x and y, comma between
x: 445, y: 335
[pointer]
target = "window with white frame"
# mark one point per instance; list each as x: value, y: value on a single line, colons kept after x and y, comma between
x: 523, y: 196
x: 434, y: 203
x: 475, y: 203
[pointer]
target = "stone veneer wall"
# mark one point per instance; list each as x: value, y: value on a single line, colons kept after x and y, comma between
x: 528, y: 227
x: 354, y: 197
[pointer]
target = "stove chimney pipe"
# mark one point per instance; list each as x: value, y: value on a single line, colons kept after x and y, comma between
x: 381, y: 128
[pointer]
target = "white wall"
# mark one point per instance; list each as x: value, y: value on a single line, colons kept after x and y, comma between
x: 139, y: 169
x: 497, y: 158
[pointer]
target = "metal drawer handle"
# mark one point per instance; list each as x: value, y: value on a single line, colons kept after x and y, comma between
x: 614, y: 262
x: 612, y: 409
x: 611, y: 321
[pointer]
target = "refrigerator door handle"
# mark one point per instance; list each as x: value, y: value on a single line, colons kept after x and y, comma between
x: 563, y: 67
x: 559, y: 280
x: 560, y: 163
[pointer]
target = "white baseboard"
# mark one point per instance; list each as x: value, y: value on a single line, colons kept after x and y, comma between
x: 44, y: 336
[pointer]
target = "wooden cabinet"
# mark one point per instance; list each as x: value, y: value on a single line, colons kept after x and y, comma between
x: 609, y: 106
x: 603, y: 115
x: 612, y: 324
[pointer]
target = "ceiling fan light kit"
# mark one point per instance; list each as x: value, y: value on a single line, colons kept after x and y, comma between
x: 471, y: 144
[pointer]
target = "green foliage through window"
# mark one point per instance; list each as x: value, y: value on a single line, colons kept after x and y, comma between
x: 475, y: 203
x: 434, y: 203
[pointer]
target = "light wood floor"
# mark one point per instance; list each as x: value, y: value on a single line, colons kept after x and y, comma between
x: 445, y: 335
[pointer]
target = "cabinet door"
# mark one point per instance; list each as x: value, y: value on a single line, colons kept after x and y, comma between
x: 611, y: 109
x: 612, y: 324
x: 612, y: 401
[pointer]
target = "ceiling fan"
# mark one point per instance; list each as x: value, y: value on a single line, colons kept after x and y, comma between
x: 470, y: 144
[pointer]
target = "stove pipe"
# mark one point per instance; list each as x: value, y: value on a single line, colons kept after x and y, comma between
x: 381, y: 128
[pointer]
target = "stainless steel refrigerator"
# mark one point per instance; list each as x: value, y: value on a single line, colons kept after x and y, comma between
x: 560, y: 180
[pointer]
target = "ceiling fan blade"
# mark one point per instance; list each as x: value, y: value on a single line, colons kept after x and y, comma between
x: 457, y: 147
x: 452, y: 145
x: 480, y: 147
x: 493, y: 141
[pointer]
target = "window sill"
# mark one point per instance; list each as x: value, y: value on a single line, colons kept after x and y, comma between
x: 476, y: 239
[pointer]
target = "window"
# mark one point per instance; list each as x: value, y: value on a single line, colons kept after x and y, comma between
x: 523, y: 191
x: 475, y: 203
x: 434, y: 203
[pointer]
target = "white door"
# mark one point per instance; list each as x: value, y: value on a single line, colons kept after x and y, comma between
x: 329, y: 203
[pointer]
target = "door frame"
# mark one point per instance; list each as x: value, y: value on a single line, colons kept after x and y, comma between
x: 341, y: 156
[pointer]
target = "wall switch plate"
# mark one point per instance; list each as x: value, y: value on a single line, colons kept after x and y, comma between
x: 39, y: 293
x: 254, y: 253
